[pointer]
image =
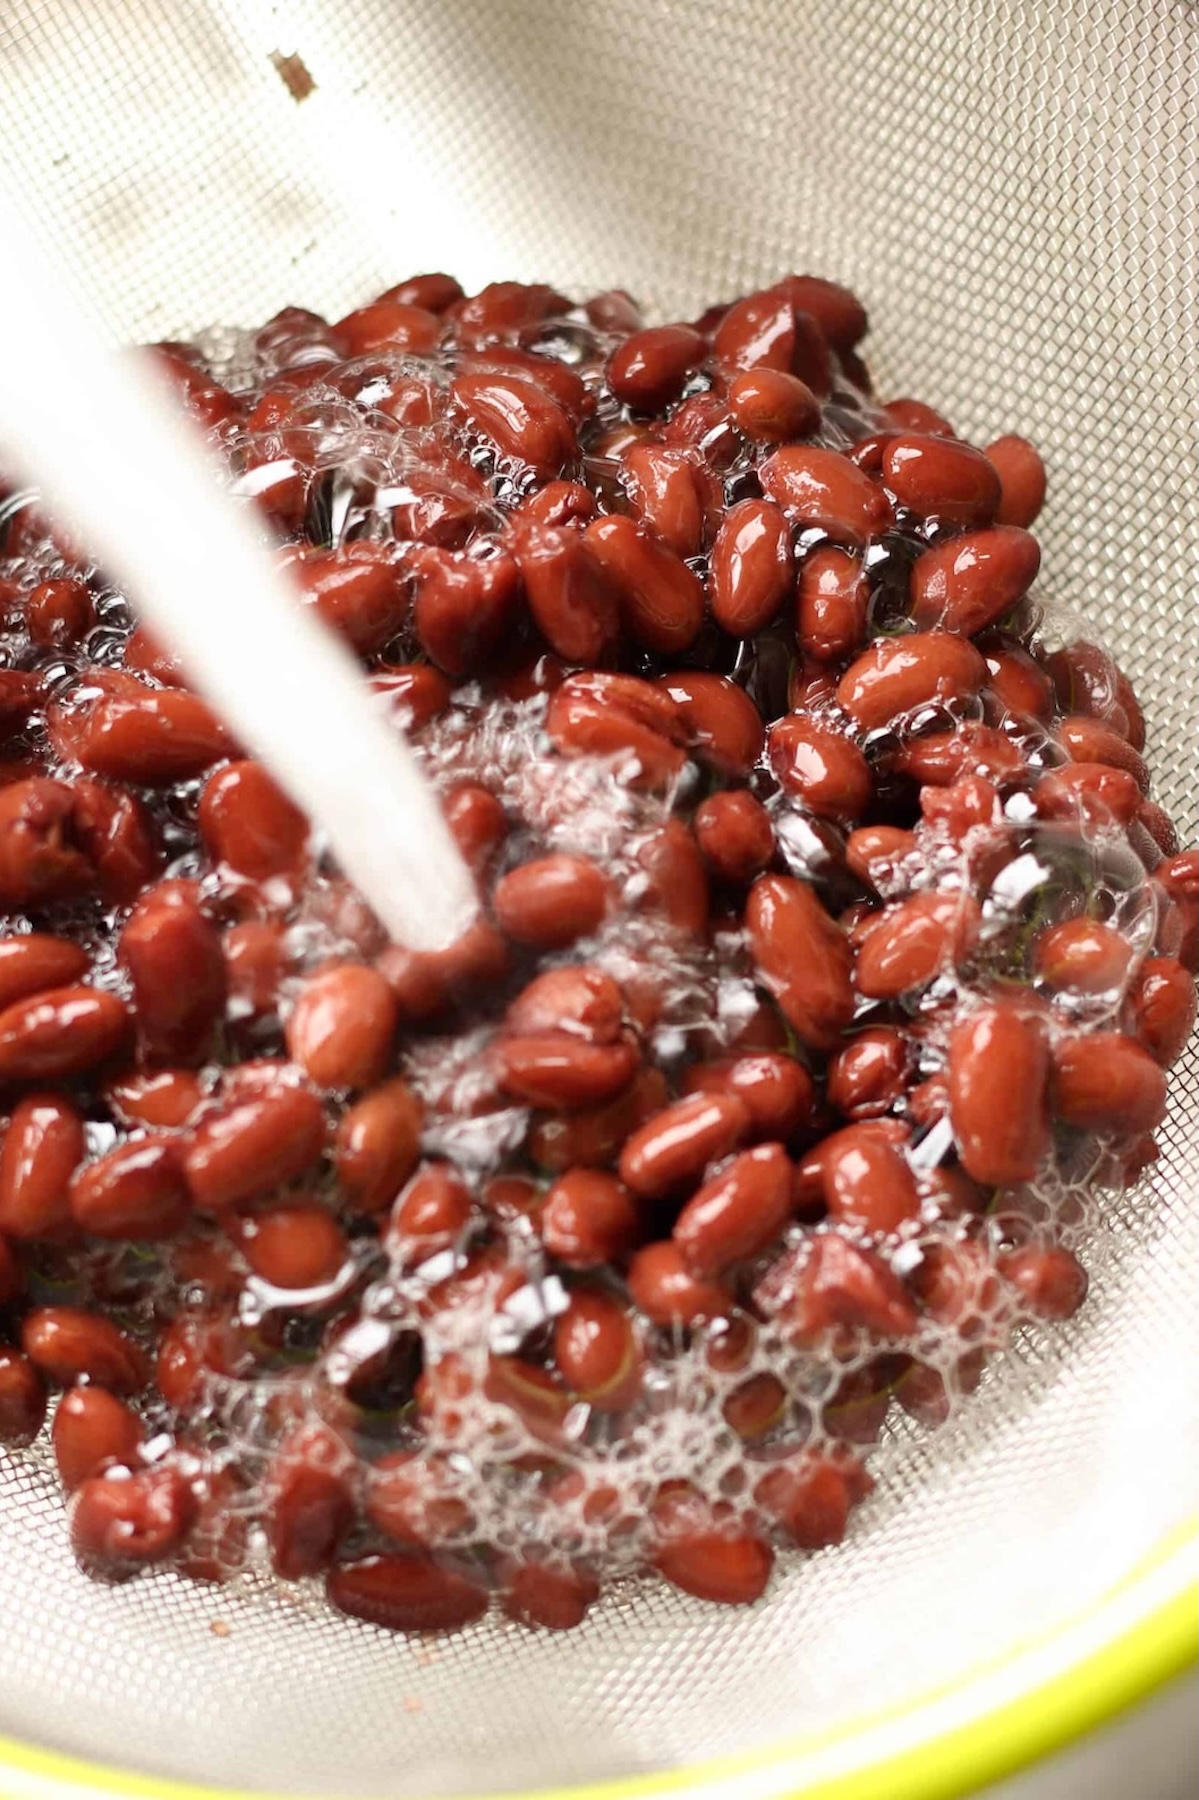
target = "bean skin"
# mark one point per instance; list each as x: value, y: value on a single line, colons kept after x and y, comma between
x: 1106, y: 1082
x: 802, y: 957
x: 676, y: 881
x: 998, y: 1082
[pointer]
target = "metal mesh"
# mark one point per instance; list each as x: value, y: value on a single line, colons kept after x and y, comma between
x: 1011, y: 184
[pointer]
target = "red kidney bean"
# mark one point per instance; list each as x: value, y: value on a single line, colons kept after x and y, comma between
x: 867, y: 1180
x: 416, y: 693
x: 388, y: 324
x: 915, y: 415
x: 519, y: 418
x: 666, y: 496
x: 557, y: 503
x: 292, y: 1246
x: 1022, y: 479
x: 116, y: 834
x: 671, y: 1150
x: 1051, y: 1281
x: 310, y: 1481
x: 12, y: 1275
x: 764, y: 331
x: 820, y: 767
x: 478, y: 822
x: 912, y: 941
x: 772, y: 407
x: 405, y: 1593
x: 664, y: 1289
x: 589, y: 1218
x: 756, y: 1406
x: 30, y: 964
x: 20, y: 694
x: 59, y: 1032
x: 841, y: 1284
x: 413, y: 1499
x: 58, y: 612
x: 750, y: 570
x: 1163, y: 1009
x: 875, y: 854
x: 940, y: 477
x: 832, y: 601
x: 248, y: 822
x: 1159, y: 825
x: 723, y: 724
x: 1085, y: 682
x: 136, y: 1191
x: 676, y: 880
x: 870, y: 1074
x: 727, y: 1566
x: 163, y: 736
x: 1092, y: 793
x: 444, y: 504
x: 962, y: 808
x: 555, y: 1599
x: 1179, y: 877
x: 649, y: 369
x: 560, y: 1072
x: 802, y: 957
x: 895, y: 676
x: 1106, y: 1082
x: 121, y: 1520
x: 254, y: 1143
x: 734, y: 835
x: 1016, y: 679
x: 42, y: 1147
x: 378, y: 1142
x: 594, y: 716
x: 176, y: 968
x: 593, y: 1136
x: 39, y: 861
x: 737, y: 1213
x: 661, y: 599
x: 580, y: 1000
x: 22, y: 1400
x: 998, y: 1079
x: 811, y: 1497
x: 574, y: 601
x: 432, y: 1213
x: 836, y: 309
x: 702, y: 423
x: 822, y: 489
x: 504, y: 311
x: 1082, y: 956
x: 434, y: 292
x: 614, y: 311
x: 342, y: 1026
x: 775, y: 1090
x: 256, y: 961
x: 562, y: 385
x: 596, y: 1350
x: 464, y: 606
x: 66, y: 1344
x: 552, y: 901
x: 1087, y: 740
x: 93, y: 1429
x: 969, y: 750
x: 970, y: 582
x: 1128, y: 711
x: 426, y: 982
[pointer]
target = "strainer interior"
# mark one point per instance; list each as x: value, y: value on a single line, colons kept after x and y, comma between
x: 1011, y: 185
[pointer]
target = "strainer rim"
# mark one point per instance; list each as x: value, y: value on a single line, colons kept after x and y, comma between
x: 1095, y: 1665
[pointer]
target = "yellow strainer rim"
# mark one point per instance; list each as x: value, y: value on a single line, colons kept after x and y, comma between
x: 998, y: 1717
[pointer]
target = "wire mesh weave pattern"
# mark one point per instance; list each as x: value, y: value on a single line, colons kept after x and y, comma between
x: 1012, y: 187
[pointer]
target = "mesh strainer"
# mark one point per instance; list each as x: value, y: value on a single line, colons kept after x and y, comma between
x: 1012, y: 187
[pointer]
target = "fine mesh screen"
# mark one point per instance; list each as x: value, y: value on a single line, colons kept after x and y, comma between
x: 1011, y: 185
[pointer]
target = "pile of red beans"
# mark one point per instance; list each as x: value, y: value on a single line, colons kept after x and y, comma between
x: 831, y: 959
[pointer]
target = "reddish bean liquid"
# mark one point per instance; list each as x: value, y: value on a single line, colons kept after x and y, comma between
x: 831, y: 959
